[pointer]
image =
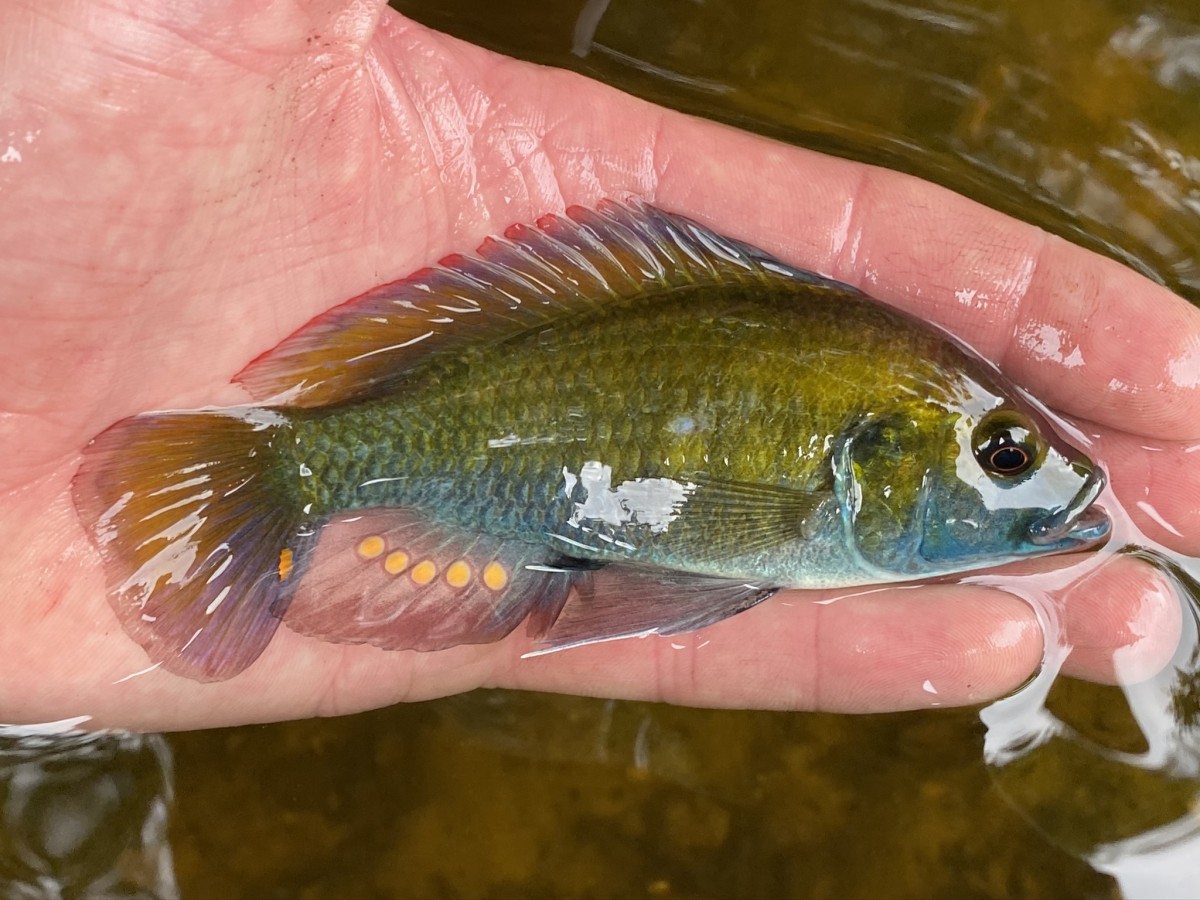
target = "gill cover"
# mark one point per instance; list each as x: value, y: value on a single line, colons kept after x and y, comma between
x: 882, y: 474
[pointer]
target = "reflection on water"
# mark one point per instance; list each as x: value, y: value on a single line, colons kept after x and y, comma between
x: 84, y: 816
x: 1112, y: 774
x: 1078, y: 115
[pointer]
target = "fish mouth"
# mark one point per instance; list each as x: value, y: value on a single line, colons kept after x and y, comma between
x: 1079, y: 523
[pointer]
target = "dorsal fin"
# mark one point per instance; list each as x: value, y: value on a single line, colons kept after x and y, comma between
x: 525, y: 279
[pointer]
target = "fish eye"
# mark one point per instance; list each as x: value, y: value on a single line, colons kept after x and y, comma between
x: 1007, y: 457
x: 1007, y: 445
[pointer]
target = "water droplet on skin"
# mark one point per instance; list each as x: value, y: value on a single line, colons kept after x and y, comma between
x: 1184, y: 370
x: 972, y: 298
x: 841, y: 233
x: 1049, y: 344
x: 1008, y: 634
x: 1157, y: 517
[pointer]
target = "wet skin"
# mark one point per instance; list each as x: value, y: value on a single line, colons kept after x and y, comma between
x: 197, y: 187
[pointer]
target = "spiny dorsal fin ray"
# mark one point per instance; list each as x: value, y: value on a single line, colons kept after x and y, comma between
x: 528, y: 278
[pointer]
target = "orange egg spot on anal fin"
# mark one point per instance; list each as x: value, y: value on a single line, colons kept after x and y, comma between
x: 424, y: 572
x: 395, y: 562
x: 370, y: 547
x: 285, y: 564
x: 495, y: 576
x: 458, y: 574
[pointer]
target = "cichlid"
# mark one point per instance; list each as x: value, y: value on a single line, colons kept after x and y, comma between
x: 614, y: 423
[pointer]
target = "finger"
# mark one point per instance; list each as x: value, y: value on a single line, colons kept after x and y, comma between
x: 891, y: 648
x: 1156, y: 485
x: 1053, y: 314
x: 1122, y: 621
x: 887, y: 649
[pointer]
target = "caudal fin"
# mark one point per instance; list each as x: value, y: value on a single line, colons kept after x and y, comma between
x: 201, y: 549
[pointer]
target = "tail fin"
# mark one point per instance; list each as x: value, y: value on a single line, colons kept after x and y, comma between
x: 201, y: 549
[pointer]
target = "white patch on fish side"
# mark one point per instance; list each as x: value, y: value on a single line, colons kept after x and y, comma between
x: 654, y: 502
x: 682, y: 425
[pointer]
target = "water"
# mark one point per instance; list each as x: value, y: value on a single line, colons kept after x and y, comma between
x: 1079, y: 116
x: 85, y: 816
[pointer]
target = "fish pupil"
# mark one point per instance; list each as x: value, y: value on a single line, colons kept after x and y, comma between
x: 1004, y: 455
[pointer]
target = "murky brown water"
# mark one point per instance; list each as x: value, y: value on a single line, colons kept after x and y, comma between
x: 1080, y: 115
x: 509, y: 795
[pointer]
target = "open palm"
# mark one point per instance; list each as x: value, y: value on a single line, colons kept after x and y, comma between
x: 183, y: 187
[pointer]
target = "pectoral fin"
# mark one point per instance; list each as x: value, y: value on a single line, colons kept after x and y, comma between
x: 759, y: 516
x: 690, y: 519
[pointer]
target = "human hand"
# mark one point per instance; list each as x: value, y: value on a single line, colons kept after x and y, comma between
x: 189, y: 184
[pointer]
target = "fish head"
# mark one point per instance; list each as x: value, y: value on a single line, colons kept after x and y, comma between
x: 965, y: 482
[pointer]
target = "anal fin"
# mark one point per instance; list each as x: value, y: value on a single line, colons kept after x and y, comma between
x: 390, y: 578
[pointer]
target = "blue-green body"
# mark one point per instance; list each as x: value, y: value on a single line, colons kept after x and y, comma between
x: 672, y: 431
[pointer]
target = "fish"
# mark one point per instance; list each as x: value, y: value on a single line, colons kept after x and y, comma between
x: 612, y: 422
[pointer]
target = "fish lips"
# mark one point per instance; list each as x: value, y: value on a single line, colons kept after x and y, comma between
x: 1077, y: 525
